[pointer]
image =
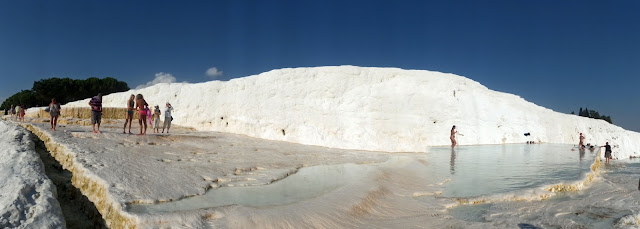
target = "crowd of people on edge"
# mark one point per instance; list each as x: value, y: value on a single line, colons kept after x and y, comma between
x: 16, y: 112
x: 135, y: 103
x: 607, y: 148
x: 581, y: 145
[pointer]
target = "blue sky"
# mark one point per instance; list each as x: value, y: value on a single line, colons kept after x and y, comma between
x: 557, y: 54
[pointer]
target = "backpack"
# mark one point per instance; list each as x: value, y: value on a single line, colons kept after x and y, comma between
x: 54, y: 108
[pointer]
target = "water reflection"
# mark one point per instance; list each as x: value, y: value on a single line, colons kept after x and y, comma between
x: 452, y: 162
x: 490, y: 169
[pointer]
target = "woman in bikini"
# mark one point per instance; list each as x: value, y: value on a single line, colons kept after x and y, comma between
x: 453, y: 136
x: 142, y: 113
x: 129, y: 115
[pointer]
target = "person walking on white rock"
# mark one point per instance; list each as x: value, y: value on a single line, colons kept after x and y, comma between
x: 54, y: 111
x: 129, y: 115
x: 96, y: 112
x: 167, y: 118
x: 18, y: 112
x: 22, y: 111
x: 581, y: 143
x: 453, y: 136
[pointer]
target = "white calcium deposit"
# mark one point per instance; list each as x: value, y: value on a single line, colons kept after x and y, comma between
x: 27, y: 196
x: 384, y: 109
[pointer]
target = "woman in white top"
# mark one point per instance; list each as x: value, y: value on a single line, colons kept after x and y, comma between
x: 54, y: 111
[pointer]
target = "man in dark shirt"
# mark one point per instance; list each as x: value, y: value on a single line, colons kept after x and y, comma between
x: 607, y: 152
x: 96, y: 112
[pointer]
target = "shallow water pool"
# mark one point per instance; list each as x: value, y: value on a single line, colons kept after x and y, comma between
x: 491, y: 169
x: 462, y: 172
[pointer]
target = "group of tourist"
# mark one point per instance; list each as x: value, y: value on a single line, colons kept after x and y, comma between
x: 139, y: 105
x: 607, y: 148
x: 16, y: 112
x: 581, y: 145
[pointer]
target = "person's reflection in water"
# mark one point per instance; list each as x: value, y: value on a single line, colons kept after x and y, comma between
x: 582, y: 151
x: 452, y: 163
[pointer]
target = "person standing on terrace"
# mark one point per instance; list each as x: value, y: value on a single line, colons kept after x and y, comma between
x: 96, y: 112
x: 129, y: 114
x: 54, y: 111
x: 142, y: 113
x: 607, y: 152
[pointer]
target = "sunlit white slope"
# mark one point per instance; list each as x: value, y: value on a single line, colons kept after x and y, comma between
x: 386, y: 109
x: 27, y: 196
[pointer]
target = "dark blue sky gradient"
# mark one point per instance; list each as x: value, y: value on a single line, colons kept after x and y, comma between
x: 557, y: 54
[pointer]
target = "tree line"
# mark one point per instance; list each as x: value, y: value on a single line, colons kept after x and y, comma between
x: 64, y: 90
x: 593, y: 114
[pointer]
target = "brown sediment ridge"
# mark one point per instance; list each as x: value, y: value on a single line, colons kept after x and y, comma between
x: 578, y: 186
x: 94, y: 189
x: 551, y: 190
x: 83, y: 113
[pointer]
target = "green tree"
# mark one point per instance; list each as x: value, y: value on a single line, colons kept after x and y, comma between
x: 64, y: 90
x: 593, y: 114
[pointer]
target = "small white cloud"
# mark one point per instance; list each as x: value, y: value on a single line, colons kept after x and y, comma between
x: 214, y: 73
x: 161, y: 77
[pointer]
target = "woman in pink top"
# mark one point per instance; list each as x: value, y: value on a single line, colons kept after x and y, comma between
x: 142, y: 114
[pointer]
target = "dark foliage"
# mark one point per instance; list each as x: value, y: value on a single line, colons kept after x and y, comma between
x: 593, y: 114
x: 64, y: 90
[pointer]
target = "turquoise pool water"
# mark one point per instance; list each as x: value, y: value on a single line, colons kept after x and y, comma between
x: 491, y: 169
x: 462, y: 172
